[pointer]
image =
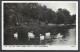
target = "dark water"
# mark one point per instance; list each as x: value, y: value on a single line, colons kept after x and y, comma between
x: 23, y: 34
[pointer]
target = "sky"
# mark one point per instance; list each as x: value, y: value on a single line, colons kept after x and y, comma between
x: 71, y: 7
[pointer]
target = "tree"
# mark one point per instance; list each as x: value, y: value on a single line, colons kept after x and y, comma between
x: 26, y: 12
x: 73, y: 19
x: 63, y: 16
x: 60, y: 16
x: 67, y: 16
x: 9, y: 14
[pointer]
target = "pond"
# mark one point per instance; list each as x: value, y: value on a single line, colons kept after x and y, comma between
x: 68, y: 32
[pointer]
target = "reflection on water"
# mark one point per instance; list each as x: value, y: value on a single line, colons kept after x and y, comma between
x: 66, y: 36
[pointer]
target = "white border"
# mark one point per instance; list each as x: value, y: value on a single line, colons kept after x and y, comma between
x: 62, y: 47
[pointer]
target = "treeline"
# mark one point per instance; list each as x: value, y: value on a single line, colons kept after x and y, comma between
x: 34, y: 12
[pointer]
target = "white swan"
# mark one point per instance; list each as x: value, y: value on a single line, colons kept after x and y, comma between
x: 47, y: 34
x: 31, y: 35
x: 16, y: 35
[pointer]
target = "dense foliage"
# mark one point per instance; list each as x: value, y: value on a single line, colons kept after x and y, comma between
x: 33, y: 12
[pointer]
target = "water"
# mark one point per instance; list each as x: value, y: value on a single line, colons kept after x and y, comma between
x: 68, y: 40
x: 69, y: 35
x: 72, y: 40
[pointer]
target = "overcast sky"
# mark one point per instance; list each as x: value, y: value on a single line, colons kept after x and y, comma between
x: 71, y: 7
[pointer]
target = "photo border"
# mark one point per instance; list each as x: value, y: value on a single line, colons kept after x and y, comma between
x: 77, y: 23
